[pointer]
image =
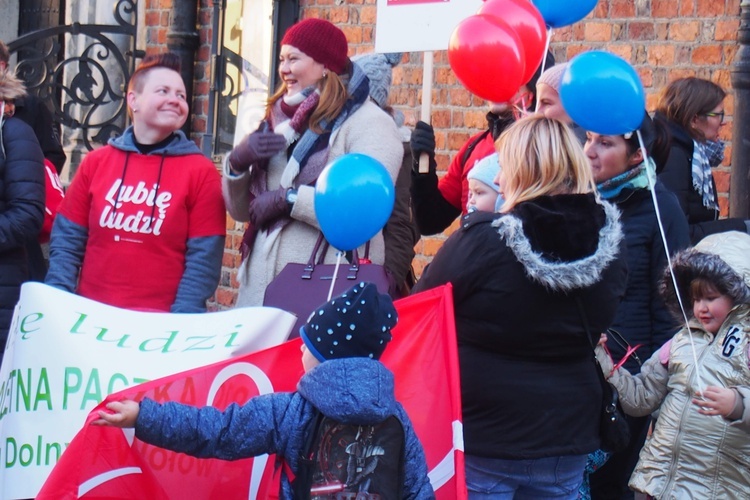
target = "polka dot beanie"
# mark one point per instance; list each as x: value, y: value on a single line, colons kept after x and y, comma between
x: 356, y: 324
x: 321, y: 40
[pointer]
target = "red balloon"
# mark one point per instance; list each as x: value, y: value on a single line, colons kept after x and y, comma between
x: 529, y: 25
x: 486, y: 56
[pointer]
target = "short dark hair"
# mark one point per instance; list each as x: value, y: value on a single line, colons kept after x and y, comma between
x: 166, y: 60
x: 685, y: 98
x: 4, y: 53
x: 702, y: 287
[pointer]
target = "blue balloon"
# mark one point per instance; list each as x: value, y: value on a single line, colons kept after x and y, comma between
x: 354, y: 198
x: 602, y: 93
x: 559, y: 13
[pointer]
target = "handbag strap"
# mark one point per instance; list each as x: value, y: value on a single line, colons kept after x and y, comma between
x: 584, y: 321
x: 321, y: 255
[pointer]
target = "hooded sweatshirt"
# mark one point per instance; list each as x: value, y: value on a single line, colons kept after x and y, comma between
x: 355, y: 391
x: 146, y: 231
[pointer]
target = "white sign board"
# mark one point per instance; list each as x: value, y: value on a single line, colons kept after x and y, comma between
x: 66, y: 353
x: 419, y: 25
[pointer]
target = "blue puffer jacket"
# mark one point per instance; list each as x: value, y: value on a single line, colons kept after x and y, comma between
x: 642, y: 318
x: 351, y: 391
x: 21, y: 211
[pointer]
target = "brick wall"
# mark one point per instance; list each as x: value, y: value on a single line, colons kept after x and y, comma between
x: 662, y: 39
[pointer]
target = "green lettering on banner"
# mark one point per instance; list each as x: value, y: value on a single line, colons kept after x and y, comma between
x: 26, y: 323
x: 93, y: 390
x: 232, y: 336
x: 68, y: 387
x: 23, y: 394
x: 81, y: 318
x: 39, y: 453
x: 117, y: 377
x: 42, y: 391
x: 164, y: 348
x: 120, y: 342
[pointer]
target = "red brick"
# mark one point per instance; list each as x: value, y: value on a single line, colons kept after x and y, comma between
x: 726, y: 30
x: 707, y: 54
x: 641, y: 31
x: 687, y: 8
x: 709, y: 8
x: 598, y: 32
x: 684, y: 31
x: 621, y: 8
x: 664, y: 8
x: 661, y: 55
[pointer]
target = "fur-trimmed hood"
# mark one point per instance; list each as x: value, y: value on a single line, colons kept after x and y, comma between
x: 10, y: 86
x: 721, y: 258
x: 558, y: 241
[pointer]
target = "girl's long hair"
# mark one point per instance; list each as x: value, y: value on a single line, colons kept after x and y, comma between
x: 541, y: 156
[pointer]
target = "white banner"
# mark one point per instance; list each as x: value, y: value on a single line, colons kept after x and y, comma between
x: 419, y: 25
x: 66, y: 353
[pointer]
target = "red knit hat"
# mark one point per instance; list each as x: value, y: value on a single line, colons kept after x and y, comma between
x: 322, y: 41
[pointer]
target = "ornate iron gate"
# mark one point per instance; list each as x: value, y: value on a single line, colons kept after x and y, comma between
x: 82, y: 71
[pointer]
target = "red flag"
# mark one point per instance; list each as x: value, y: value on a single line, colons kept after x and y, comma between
x: 106, y: 462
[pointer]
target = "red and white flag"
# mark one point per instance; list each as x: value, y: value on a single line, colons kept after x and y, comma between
x: 106, y: 462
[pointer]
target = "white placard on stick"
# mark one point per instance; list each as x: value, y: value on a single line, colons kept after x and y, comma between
x: 419, y: 25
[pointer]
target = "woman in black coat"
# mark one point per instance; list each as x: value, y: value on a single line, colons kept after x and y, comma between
x: 21, y: 198
x: 693, y: 109
x: 642, y: 318
x: 530, y: 392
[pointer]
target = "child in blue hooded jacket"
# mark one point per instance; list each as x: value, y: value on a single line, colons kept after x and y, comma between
x: 343, y: 381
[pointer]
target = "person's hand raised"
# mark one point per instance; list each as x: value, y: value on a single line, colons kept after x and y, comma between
x: 121, y: 414
x: 257, y: 146
x: 423, y: 141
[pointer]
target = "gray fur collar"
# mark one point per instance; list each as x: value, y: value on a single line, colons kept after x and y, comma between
x: 560, y: 275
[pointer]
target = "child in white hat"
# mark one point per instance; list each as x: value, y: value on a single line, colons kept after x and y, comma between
x: 484, y: 193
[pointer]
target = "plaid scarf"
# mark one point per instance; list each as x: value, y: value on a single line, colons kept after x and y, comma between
x: 309, y: 142
x: 701, y: 172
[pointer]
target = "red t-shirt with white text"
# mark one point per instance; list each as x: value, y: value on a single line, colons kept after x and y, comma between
x: 132, y: 261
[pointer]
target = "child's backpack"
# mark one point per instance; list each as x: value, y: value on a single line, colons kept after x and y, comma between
x: 352, y: 462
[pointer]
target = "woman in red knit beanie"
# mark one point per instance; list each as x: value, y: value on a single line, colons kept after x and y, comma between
x: 320, y: 111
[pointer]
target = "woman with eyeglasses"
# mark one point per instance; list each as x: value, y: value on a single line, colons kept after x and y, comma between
x: 693, y: 109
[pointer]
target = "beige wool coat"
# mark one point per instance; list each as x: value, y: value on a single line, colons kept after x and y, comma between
x: 369, y: 130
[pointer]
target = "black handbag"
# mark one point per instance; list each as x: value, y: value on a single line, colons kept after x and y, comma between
x: 300, y: 288
x: 614, y: 430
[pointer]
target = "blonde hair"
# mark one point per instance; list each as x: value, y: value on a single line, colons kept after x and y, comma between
x: 541, y: 156
x: 333, y: 96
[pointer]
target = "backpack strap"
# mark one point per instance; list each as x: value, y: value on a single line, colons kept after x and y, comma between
x: 470, y: 148
x: 302, y: 481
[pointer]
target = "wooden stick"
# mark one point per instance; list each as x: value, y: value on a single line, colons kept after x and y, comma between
x: 424, y: 158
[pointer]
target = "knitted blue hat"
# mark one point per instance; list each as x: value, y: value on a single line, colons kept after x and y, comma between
x: 356, y: 324
x: 485, y: 170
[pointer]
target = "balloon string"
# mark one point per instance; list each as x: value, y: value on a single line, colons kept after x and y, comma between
x: 335, y: 275
x: 544, y: 60
x: 651, y: 186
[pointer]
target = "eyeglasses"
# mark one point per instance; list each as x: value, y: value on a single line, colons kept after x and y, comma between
x: 720, y: 114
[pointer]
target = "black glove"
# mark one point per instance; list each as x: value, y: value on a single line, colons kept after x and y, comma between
x: 256, y: 146
x: 268, y: 207
x: 423, y: 141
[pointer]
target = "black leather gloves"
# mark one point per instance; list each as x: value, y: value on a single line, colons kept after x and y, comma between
x: 423, y: 141
x: 256, y: 146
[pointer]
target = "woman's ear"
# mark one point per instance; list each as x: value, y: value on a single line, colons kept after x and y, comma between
x: 131, y: 100
x: 636, y: 158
